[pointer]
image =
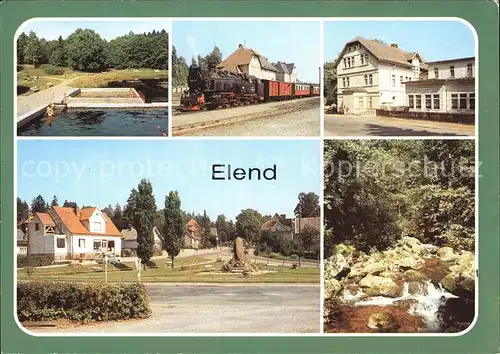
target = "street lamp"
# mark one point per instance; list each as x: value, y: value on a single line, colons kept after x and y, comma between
x: 300, y: 247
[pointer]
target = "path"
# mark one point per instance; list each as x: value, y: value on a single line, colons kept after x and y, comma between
x: 203, y: 308
x: 369, y: 125
x: 42, y: 98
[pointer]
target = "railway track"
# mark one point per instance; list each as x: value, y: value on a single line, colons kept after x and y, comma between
x: 281, y: 109
x: 180, y: 110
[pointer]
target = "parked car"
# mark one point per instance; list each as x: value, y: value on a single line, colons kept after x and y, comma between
x: 112, y: 258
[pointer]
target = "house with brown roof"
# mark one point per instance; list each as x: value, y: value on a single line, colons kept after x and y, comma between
x: 66, y: 233
x: 248, y: 61
x: 449, y: 87
x: 129, y: 240
x: 193, y: 235
x: 310, y: 222
x: 279, y: 225
x: 373, y: 75
x: 286, y: 72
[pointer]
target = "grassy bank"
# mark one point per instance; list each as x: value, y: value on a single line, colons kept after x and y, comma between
x: 185, y: 271
x: 102, y: 79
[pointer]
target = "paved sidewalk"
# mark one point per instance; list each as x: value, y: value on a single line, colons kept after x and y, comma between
x: 41, y: 99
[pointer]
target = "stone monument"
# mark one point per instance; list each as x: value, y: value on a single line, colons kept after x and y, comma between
x: 239, y: 263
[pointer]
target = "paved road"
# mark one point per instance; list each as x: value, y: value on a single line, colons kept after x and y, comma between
x: 229, y: 308
x: 351, y: 125
x: 31, y: 102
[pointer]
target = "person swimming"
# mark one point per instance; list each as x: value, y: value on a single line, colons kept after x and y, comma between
x: 50, y: 113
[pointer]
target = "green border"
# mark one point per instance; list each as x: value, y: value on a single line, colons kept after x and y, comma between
x: 483, y: 338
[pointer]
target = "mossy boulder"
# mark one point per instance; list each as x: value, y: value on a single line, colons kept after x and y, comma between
x: 379, y: 286
x: 383, y: 321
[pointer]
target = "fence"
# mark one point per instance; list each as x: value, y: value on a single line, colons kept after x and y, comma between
x: 449, y: 117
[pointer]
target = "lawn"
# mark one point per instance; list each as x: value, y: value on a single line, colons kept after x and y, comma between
x: 26, y: 78
x: 102, y: 79
x: 185, y: 271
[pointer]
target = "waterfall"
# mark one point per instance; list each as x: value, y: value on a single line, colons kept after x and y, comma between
x: 428, y: 300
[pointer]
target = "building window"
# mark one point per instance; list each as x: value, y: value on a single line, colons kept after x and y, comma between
x: 370, y: 102
x: 362, y: 59
x: 97, y: 245
x: 436, y: 101
x: 97, y: 226
x: 454, y: 101
x: 393, y: 80
x: 418, y: 101
x: 37, y: 226
x: 428, y: 101
x: 463, y: 101
x: 345, y: 62
x: 400, y: 81
x: 411, y: 101
x: 61, y: 243
x: 81, y: 242
x: 452, y: 71
x: 368, y: 80
x: 472, y: 101
x: 469, y: 70
x: 361, y: 102
x: 436, y: 73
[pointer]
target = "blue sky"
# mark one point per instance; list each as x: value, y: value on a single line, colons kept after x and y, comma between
x: 99, y: 172
x: 434, y: 40
x: 50, y: 29
x: 296, y: 42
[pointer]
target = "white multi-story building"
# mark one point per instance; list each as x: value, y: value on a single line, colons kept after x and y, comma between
x: 372, y: 75
x: 449, y: 87
x: 65, y: 233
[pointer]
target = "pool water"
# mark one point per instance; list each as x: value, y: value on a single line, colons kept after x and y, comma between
x: 138, y: 122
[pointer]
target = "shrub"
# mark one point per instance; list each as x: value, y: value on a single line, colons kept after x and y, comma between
x: 53, y: 70
x: 33, y: 261
x: 46, y: 301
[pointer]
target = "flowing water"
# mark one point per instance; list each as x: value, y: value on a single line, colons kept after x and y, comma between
x: 104, y: 122
x: 426, y: 302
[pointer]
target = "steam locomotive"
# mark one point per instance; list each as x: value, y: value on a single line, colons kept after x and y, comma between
x: 210, y: 89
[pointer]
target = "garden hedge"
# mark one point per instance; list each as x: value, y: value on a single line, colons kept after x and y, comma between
x: 48, y: 301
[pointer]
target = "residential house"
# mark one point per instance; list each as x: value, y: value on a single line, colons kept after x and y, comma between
x: 21, y: 243
x: 193, y: 235
x: 66, y: 233
x: 311, y: 222
x: 372, y: 75
x: 129, y: 240
x: 279, y: 225
x: 449, y: 87
x: 248, y: 61
x: 286, y: 72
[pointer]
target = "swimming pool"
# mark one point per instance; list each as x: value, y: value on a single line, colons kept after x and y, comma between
x: 104, y: 122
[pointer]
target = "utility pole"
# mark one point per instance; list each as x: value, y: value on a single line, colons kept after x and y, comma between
x: 105, y: 268
x: 300, y: 246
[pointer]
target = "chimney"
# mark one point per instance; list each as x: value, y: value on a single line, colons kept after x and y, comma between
x: 78, y: 212
x: 240, y: 46
x: 394, y: 45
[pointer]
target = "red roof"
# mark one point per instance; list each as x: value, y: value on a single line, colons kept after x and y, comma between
x: 75, y: 226
x: 86, y: 213
x: 193, y: 225
x: 45, y: 219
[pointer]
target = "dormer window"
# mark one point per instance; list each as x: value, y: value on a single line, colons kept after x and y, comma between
x: 97, y: 226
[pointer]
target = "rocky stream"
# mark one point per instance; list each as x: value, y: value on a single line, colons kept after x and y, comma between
x: 410, y: 288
